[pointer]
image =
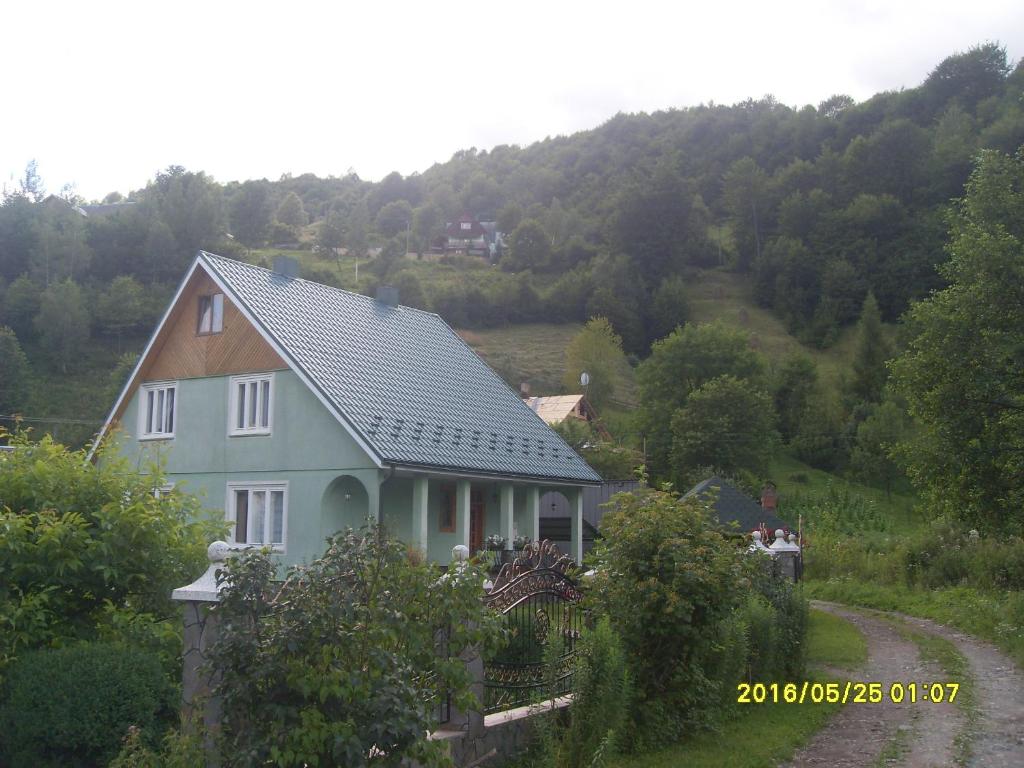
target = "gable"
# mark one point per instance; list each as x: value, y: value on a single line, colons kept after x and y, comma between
x: 178, y: 352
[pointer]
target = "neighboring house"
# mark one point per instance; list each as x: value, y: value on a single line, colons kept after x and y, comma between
x: 555, y: 409
x: 469, y: 236
x: 299, y: 409
x: 731, y: 506
x: 103, y: 210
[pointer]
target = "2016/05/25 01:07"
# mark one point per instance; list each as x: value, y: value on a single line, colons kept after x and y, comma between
x: 835, y: 693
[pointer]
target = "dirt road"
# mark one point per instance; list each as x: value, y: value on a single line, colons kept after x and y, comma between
x: 989, y: 734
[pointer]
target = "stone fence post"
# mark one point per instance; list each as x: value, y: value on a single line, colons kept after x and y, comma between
x: 472, y: 721
x: 787, y: 554
x: 197, y: 681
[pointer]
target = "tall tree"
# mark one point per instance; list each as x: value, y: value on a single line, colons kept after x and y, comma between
x: 121, y: 308
x: 963, y: 373
x: 190, y: 204
x: 63, y: 323
x: 251, y: 210
x: 596, y: 350
x: 291, y: 212
x: 668, y: 309
x: 795, y: 383
x: 395, y: 218
x: 357, y: 229
x: 20, y: 306
x: 31, y: 183
x: 529, y: 248
x: 727, y: 425
x: 679, y: 364
x: 745, y: 194
x: 14, y: 375
x: 873, y: 459
x: 871, y: 353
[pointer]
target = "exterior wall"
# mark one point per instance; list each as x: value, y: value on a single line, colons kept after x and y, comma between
x: 307, y: 448
x: 332, y: 483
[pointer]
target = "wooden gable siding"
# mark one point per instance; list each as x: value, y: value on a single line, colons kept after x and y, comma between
x: 180, y: 353
x: 183, y: 354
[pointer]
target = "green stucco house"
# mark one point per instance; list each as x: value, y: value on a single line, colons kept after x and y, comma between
x: 300, y: 409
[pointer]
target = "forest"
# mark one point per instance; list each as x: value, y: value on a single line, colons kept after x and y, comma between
x: 836, y: 218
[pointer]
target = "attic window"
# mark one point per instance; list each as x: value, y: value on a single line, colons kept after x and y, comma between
x: 211, y: 314
x: 467, y: 226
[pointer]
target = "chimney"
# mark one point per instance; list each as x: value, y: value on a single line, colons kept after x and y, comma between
x: 286, y: 266
x: 524, y: 389
x: 387, y: 295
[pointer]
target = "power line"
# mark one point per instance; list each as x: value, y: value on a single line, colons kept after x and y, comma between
x: 48, y: 420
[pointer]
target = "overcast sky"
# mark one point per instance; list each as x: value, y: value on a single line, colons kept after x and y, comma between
x: 104, y: 94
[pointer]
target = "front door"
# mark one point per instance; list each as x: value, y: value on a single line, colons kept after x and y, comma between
x: 476, y: 521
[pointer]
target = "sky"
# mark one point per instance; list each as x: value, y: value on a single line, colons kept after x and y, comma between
x: 104, y: 94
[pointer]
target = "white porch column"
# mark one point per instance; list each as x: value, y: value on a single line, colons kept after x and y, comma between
x: 506, y: 498
x: 576, y: 542
x: 420, y: 491
x: 532, y: 513
x: 462, y: 511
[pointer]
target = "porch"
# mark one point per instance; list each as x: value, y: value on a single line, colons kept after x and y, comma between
x: 434, y: 512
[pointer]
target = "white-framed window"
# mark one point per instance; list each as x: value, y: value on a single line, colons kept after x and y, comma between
x: 162, y: 491
x: 467, y: 225
x: 211, y: 314
x: 158, y: 410
x: 251, y: 404
x: 258, y: 513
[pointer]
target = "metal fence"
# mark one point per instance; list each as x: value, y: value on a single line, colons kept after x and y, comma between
x: 541, y: 606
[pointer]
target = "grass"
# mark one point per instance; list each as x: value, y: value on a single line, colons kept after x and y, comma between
x: 994, y: 616
x: 795, y: 479
x: 533, y: 353
x: 764, y: 734
x: 834, y: 642
x: 718, y: 295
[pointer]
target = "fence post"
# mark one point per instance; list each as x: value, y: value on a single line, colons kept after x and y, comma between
x: 198, y: 704
x: 472, y: 721
x: 786, y: 554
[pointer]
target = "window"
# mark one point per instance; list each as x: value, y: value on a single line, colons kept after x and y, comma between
x: 163, y: 491
x: 467, y: 226
x: 211, y: 314
x: 258, y: 512
x: 251, y: 405
x: 156, y: 411
x: 447, y: 512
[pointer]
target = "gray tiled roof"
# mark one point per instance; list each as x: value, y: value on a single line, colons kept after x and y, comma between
x: 732, y: 505
x: 405, y: 381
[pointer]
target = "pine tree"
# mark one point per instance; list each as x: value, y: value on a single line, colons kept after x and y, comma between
x: 870, y: 355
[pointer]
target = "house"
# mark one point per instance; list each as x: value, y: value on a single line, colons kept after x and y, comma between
x: 555, y: 409
x: 469, y: 236
x: 299, y: 409
x: 732, y: 506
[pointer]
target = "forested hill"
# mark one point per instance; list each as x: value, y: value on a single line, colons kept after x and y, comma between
x: 815, y: 206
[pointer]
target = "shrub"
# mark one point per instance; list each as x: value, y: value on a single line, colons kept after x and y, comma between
x: 667, y: 581
x: 602, y: 688
x: 72, y: 706
x: 340, y: 661
x: 88, y: 551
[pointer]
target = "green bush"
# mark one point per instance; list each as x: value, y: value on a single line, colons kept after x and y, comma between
x: 667, y: 580
x: 341, y: 659
x: 602, y: 688
x: 71, y: 707
x: 88, y: 552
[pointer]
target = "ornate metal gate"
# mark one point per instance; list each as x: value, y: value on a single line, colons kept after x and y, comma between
x: 541, y: 604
